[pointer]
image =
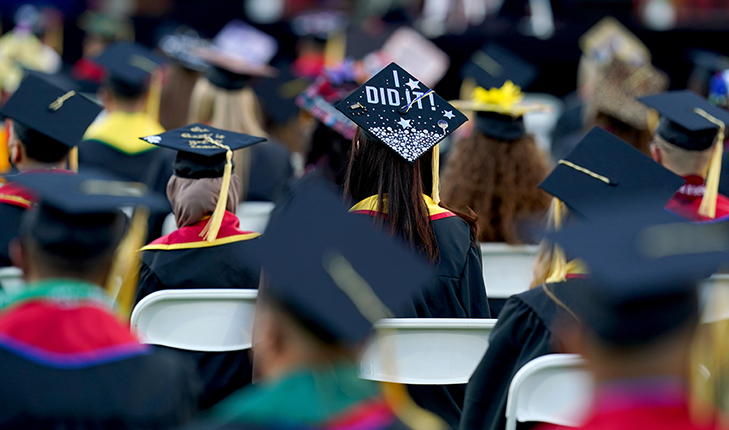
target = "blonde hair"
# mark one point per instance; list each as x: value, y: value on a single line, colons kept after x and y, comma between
x: 234, y: 110
x: 546, y: 253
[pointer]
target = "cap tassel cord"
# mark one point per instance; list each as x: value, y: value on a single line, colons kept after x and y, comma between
x: 124, y: 277
x: 435, y: 193
x: 708, y: 202
x: 558, y: 269
x: 73, y: 159
x: 210, y: 232
x: 154, y: 97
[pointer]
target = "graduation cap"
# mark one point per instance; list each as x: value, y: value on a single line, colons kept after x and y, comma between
x: 333, y: 269
x: 493, y: 65
x: 205, y: 152
x: 61, y: 115
x: 644, y: 265
x: 401, y: 112
x: 500, y: 111
x: 609, y: 38
x: 129, y: 66
x: 602, y: 169
x: 180, y: 46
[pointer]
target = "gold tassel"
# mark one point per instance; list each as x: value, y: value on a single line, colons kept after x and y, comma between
x: 435, y: 193
x: 124, y: 277
x: 73, y: 159
x: 154, y: 96
x: 336, y: 48
x: 708, y: 202
x: 210, y: 232
x: 558, y: 269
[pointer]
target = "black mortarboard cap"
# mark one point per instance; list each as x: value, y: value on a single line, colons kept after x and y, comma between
x: 680, y: 124
x: 308, y: 252
x: 644, y: 265
x: 129, y: 66
x: 401, y: 112
x: 78, y: 214
x: 61, y: 114
x: 493, y: 65
x: 198, y: 155
x: 604, y: 169
x: 180, y: 46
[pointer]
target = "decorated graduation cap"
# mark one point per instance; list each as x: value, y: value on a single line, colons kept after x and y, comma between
x: 205, y: 152
x: 334, y: 269
x: 604, y: 169
x: 609, y: 38
x: 493, y: 65
x: 500, y: 111
x: 689, y: 121
x: 401, y: 112
x: 129, y: 66
x: 49, y: 116
x: 180, y: 46
x: 644, y: 265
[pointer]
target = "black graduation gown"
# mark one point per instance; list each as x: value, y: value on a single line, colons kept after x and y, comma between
x: 192, y: 266
x: 527, y: 329
x: 456, y: 291
x: 271, y: 172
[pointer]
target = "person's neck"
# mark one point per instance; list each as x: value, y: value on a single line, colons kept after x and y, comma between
x: 26, y: 165
x: 127, y: 107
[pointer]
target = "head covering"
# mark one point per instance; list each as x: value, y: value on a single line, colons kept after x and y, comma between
x: 193, y: 199
x: 493, y: 65
x: 205, y: 152
x: 604, y: 170
x: 61, y: 115
x: 333, y: 269
x: 181, y: 45
x: 619, y: 84
x: 129, y: 66
x: 330, y: 88
x: 609, y: 38
x: 644, y: 265
x: 500, y: 111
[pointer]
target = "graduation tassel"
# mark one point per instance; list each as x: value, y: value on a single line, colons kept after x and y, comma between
x: 558, y: 269
x: 152, y: 104
x: 124, y: 277
x: 73, y: 159
x: 435, y: 193
x: 708, y: 202
x: 210, y: 232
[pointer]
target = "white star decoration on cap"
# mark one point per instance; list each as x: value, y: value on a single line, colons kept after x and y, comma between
x: 413, y: 84
x: 448, y: 114
x: 405, y: 123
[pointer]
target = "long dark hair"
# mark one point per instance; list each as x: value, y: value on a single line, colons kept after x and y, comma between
x: 375, y: 169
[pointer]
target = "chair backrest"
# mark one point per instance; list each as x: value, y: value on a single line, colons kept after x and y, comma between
x: 426, y: 351
x: 714, y: 296
x: 253, y: 216
x: 11, y: 279
x: 507, y: 269
x: 197, y: 320
x: 554, y: 389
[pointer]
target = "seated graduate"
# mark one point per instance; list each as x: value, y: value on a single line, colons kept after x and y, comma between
x: 640, y: 314
x: 328, y: 275
x: 495, y: 170
x: 67, y: 361
x: 46, y: 122
x: 208, y: 250
x: 689, y: 141
x: 600, y: 170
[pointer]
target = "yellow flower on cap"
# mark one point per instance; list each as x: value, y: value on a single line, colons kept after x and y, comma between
x: 505, y: 97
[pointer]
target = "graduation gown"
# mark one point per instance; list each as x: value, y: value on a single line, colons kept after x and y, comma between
x: 69, y: 363
x: 687, y: 200
x: 331, y: 397
x: 184, y: 260
x: 526, y: 329
x: 271, y: 172
x: 639, y: 404
x: 456, y: 291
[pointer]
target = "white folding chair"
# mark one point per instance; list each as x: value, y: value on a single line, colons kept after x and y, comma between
x: 507, y: 269
x: 197, y: 320
x: 426, y: 351
x: 11, y: 279
x: 554, y: 389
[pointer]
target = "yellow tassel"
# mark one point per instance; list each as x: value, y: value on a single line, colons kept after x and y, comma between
x: 708, y: 202
x: 210, y: 232
x: 397, y: 397
x: 154, y: 96
x: 558, y: 269
x: 336, y: 48
x: 124, y: 277
x: 73, y: 159
x: 435, y: 193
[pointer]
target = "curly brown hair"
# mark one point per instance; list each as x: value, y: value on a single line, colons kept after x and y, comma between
x: 498, y: 181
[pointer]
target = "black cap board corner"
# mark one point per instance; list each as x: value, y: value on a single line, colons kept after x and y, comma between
x: 493, y: 65
x: 401, y: 112
x: 60, y: 114
x: 312, y: 250
x: 129, y: 64
x: 602, y: 169
x: 681, y: 124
